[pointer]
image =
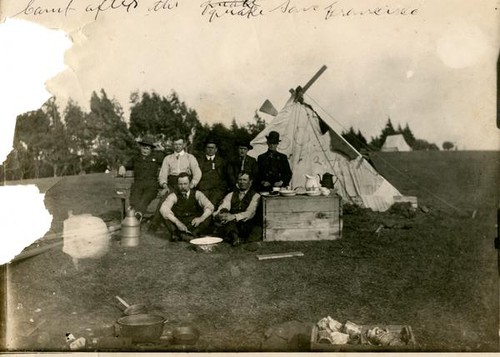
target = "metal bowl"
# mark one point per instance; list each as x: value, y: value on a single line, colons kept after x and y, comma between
x: 141, y: 327
x: 186, y: 335
x: 205, y: 244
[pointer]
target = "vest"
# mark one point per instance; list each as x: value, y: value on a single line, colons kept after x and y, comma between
x: 237, y: 205
x: 187, y: 207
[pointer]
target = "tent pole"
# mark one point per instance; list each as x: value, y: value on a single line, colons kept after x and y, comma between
x: 313, y: 79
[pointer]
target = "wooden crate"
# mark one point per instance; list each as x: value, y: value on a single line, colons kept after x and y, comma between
x: 364, y: 345
x: 302, y: 218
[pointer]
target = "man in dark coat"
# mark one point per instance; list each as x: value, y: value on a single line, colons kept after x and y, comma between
x: 146, y: 166
x: 274, y: 169
x: 244, y: 163
x: 187, y: 211
x: 214, y: 174
x: 237, y: 216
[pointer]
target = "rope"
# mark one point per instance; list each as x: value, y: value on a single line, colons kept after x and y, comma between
x: 324, y: 151
x: 396, y: 169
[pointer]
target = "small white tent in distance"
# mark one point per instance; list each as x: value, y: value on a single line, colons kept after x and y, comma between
x: 313, y: 147
x: 395, y: 142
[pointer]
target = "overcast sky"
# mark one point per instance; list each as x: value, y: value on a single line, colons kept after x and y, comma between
x: 434, y: 70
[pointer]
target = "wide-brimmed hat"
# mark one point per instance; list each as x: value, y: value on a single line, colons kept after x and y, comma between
x: 244, y: 143
x: 147, y: 141
x: 273, y: 137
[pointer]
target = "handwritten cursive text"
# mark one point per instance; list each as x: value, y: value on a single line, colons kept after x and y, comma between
x: 241, y: 8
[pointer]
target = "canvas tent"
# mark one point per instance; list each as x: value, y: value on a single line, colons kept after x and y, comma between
x: 313, y: 147
x: 395, y: 142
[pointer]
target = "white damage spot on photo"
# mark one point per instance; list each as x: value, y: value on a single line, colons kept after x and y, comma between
x: 31, y: 55
x: 462, y: 46
x: 24, y: 219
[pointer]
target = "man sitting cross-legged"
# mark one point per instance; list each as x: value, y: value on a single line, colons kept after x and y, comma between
x: 236, y: 216
x: 187, y: 211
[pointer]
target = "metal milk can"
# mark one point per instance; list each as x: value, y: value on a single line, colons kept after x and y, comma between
x: 131, y: 228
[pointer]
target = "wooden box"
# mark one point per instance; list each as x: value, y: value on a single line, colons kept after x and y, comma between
x: 364, y: 345
x: 302, y: 218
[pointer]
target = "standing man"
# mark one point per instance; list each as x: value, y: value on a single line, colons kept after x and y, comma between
x: 173, y: 165
x: 214, y: 174
x: 186, y: 211
x: 237, y: 213
x: 274, y: 169
x: 244, y: 163
x: 145, y: 165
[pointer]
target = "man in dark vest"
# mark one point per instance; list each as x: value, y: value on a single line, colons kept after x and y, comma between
x: 274, y: 169
x: 187, y: 211
x: 214, y: 173
x: 244, y: 163
x: 237, y: 214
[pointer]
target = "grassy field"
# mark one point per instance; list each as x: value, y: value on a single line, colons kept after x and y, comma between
x: 436, y: 271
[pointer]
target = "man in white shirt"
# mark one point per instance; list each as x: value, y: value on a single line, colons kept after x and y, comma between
x: 172, y: 166
x: 187, y: 212
x: 237, y: 214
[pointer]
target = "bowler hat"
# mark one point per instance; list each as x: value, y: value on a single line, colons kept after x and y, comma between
x: 273, y: 137
x: 244, y: 143
x: 147, y: 141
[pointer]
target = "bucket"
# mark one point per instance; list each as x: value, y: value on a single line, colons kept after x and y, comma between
x: 141, y: 327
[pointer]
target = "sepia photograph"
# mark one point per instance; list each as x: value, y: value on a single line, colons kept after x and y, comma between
x: 249, y: 176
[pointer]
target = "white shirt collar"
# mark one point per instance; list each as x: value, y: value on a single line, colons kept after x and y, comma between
x: 210, y: 157
x: 180, y: 153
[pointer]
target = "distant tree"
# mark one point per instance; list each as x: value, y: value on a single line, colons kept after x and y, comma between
x: 163, y: 117
x: 356, y: 139
x: 448, y: 145
x: 421, y: 144
x: 30, y: 139
x: 55, y: 150
x: 256, y: 126
x: 80, y: 137
x: 408, y: 135
x: 113, y: 143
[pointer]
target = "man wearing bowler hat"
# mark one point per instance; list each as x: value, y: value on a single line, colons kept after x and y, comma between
x: 146, y: 165
x: 274, y: 169
x: 244, y: 163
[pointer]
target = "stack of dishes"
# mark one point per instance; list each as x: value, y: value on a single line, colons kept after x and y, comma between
x: 288, y: 193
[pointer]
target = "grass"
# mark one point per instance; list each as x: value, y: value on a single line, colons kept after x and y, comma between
x: 437, y: 273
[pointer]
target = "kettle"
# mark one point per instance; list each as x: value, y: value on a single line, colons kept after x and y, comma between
x: 131, y: 228
x: 312, y: 182
x: 327, y: 180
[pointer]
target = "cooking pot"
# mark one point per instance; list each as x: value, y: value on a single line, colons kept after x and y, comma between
x: 141, y: 327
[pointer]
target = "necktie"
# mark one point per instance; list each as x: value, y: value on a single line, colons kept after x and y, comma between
x: 242, y: 165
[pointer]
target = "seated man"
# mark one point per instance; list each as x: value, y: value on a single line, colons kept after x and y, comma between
x: 236, y: 214
x: 187, y: 212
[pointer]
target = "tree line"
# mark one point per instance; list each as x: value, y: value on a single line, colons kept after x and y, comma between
x: 50, y: 142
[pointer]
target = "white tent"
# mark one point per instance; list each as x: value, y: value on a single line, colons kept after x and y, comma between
x: 395, y: 142
x: 313, y: 147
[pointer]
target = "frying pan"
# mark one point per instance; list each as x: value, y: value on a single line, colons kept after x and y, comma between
x: 132, y: 309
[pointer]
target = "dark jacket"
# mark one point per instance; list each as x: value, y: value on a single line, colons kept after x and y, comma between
x: 249, y: 166
x: 214, y: 175
x: 145, y: 168
x: 273, y: 167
